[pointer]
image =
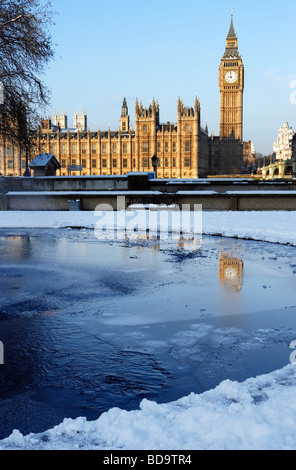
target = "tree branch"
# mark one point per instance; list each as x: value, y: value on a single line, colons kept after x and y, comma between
x: 14, y: 20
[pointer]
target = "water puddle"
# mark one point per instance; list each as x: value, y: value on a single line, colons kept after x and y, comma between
x: 90, y: 324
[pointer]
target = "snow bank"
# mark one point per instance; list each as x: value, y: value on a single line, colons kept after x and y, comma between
x: 258, y: 414
x: 269, y: 226
x: 275, y: 227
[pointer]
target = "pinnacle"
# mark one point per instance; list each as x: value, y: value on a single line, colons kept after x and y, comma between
x: 231, y: 33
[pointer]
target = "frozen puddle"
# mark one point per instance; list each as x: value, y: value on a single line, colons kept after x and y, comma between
x: 88, y: 325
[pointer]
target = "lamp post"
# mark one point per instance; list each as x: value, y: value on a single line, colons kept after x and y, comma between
x: 154, y: 161
x: 27, y: 172
x: 1, y: 117
x: 26, y: 142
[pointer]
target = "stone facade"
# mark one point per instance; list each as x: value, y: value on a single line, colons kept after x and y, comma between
x: 60, y: 120
x: 182, y: 149
x: 231, y: 85
x: 80, y: 121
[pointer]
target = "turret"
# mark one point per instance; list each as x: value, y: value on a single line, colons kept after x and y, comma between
x: 124, y: 118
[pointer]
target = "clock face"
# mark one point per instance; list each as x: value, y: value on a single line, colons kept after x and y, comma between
x: 230, y: 273
x: 231, y: 76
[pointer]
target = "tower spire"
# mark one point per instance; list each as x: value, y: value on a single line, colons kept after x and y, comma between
x: 231, y: 51
x: 231, y: 33
x: 124, y: 118
x: 124, y: 109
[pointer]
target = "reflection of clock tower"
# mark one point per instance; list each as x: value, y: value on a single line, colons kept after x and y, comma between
x: 231, y: 84
x: 231, y: 273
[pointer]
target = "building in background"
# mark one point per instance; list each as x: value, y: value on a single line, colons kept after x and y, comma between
x: 249, y: 154
x: 60, y: 120
x: 283, y: 146
x: 294, y: 146
x: 80, y: 121
x: 184, y: 149
x: 181, y: 148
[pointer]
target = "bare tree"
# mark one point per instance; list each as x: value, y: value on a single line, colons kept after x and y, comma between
x: 25, y: 49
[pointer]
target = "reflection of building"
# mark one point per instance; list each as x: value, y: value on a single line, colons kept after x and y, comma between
x: 19, y: 247
x: 190, y: 244
x: 231, y: 273
x: 283, y: 146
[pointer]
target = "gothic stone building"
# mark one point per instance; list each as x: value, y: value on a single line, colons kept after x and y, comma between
x: 183, y: 149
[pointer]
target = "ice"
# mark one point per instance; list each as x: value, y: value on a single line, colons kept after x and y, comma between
x: 257, y: 413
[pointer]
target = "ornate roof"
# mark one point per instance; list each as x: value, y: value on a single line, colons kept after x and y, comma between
x: 231, y: 52
x: 231, y: 33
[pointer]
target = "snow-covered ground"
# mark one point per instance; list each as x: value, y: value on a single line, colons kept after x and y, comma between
x: 259, y: 413
x: 271, y: 226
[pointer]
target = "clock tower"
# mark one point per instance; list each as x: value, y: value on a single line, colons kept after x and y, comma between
x: 231, y: 84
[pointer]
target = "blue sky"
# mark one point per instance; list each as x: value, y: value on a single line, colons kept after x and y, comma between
x: 166, y: 48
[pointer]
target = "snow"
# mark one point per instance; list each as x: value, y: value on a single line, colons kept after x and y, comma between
x: 269, y: 226
x: 108, y: 192
x: 41, y: 160
x: 254, y: 415
x: 263, y: 193
x: 257, y: 414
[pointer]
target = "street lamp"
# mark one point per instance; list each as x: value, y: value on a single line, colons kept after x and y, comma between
x: 1, y: 113
x: 26, y: 141
x: 154, y: 161
x: 27, y: 172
